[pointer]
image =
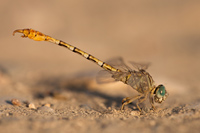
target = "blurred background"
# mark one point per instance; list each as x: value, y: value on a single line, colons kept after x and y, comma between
x: 164, y: 33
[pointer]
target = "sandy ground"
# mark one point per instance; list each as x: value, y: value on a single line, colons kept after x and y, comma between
x: 62, y: 85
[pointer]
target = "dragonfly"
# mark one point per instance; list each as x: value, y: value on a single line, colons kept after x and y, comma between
x: 139, y: 79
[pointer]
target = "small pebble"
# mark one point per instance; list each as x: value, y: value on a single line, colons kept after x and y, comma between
x: 109, y: 108
x: 45, y: 109
x: 135, y: 113
x: 47, y: 104
x: 85, y: 106
x: 31, y: 105
x: 9, y: 114
x: 15, y: 102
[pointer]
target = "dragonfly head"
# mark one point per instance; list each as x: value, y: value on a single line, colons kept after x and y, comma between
x: 160, y: 94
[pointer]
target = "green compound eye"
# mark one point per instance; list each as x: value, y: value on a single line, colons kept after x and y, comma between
x: 160, y: 92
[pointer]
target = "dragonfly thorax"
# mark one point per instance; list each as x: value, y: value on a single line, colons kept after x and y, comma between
x: 140, y: 81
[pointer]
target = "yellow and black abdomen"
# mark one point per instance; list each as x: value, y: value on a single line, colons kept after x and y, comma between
x: 38, y: 36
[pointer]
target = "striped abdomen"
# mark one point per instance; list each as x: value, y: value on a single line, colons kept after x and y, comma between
x: 38, y: 36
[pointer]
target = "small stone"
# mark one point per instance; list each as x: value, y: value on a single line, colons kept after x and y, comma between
x: 85, y: 106
x: 45, y: 109
x: 109, y: 108
x: 31, y: 105
x: 9, y: 114
x: 15, y: 102
x: 47, y: 104
x: 135, y: 113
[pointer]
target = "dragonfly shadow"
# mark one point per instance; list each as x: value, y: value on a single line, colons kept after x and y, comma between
x: 109, y: 100
x: 53, y: 86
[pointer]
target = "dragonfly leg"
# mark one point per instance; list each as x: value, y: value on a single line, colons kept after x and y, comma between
x: 128, y: 100
x: 140, y: 101
x: 151, y: 101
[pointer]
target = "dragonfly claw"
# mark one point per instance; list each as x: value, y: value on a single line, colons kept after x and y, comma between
x: 24, y: 31
x: 32, y: 34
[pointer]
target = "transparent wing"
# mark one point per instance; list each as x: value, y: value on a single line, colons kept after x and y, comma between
x: 118, y: 63
x: 104, y: 76
x: 140, y: 66
x: 108, y: 77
